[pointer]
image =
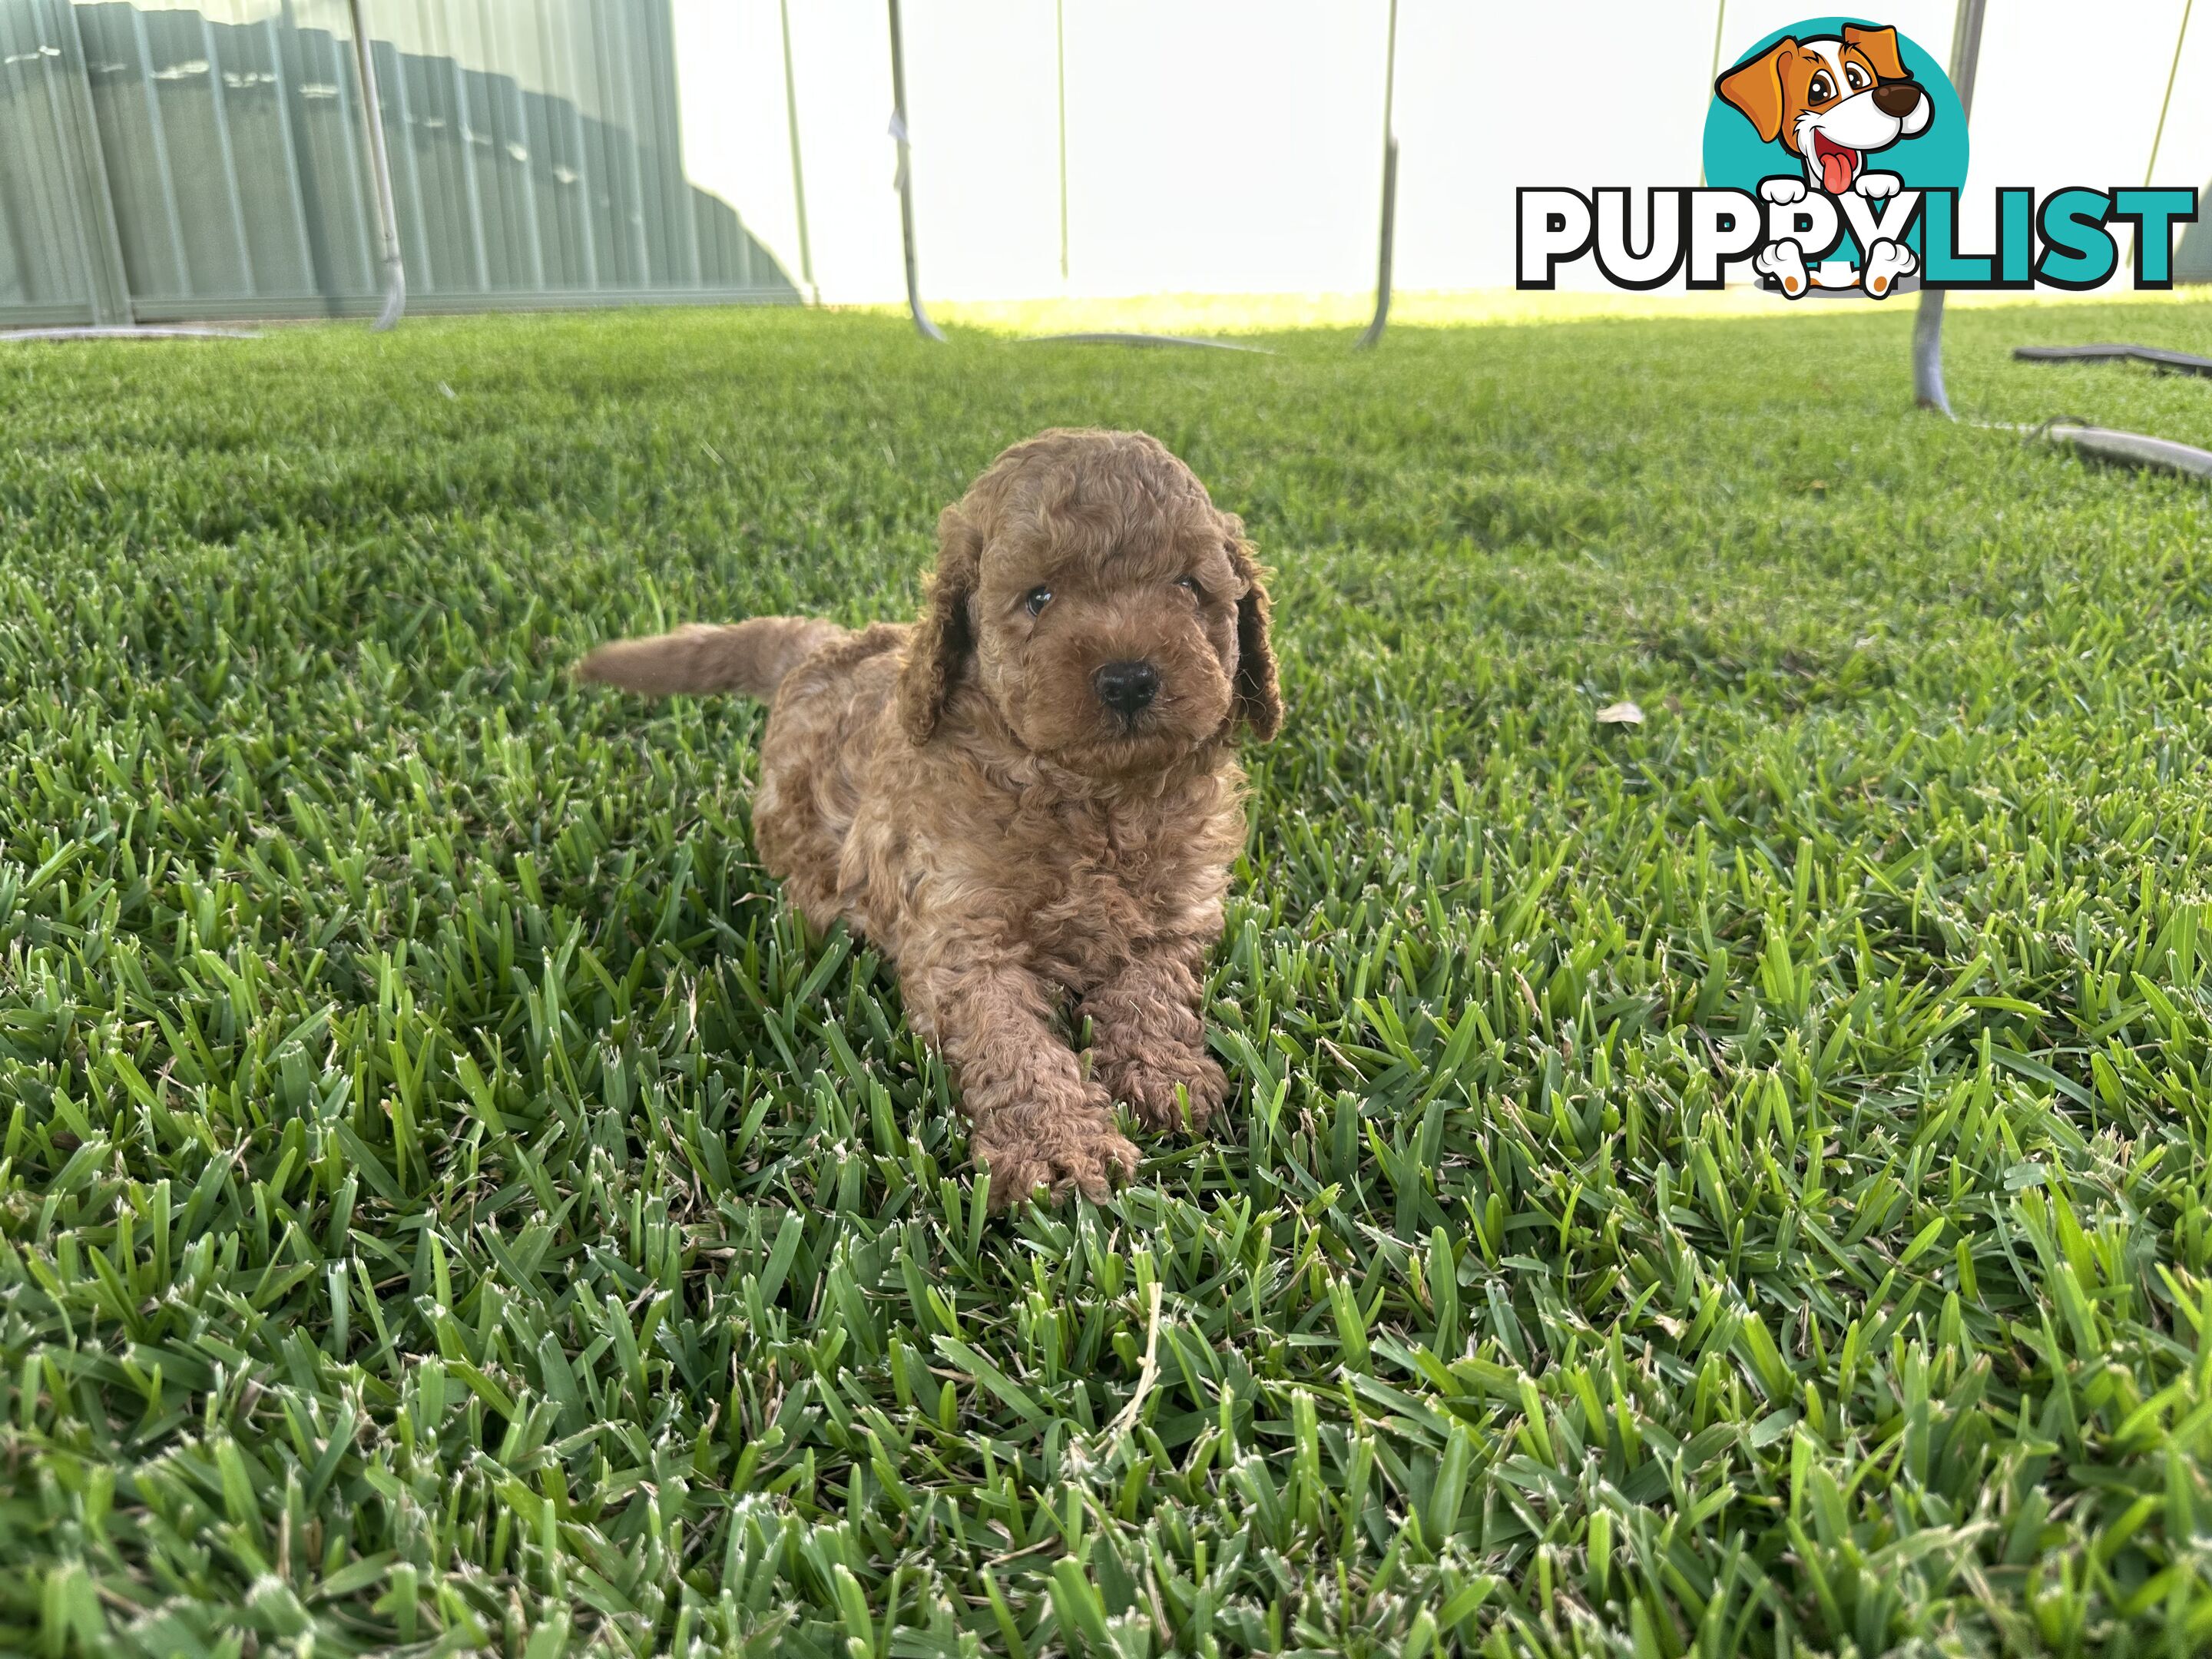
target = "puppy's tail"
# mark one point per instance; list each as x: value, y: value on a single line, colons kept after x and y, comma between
x: 750, y: 656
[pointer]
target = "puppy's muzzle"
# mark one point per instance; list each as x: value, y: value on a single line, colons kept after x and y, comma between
x: 1127, y: 688
x: 1896, y: 99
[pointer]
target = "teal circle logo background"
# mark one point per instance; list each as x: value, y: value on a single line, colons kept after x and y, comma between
x: 1935, y: 158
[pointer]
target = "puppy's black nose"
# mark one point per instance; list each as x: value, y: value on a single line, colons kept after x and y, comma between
x: 1897, y: 98
x: 1127, y: 688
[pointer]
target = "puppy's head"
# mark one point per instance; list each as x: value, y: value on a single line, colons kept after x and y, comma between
x: 1089, y: 588
x: 1831, y: 99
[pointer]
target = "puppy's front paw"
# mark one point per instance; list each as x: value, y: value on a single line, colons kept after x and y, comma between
x: 1885, y: 262
x: 1784, y: 261
x: 1878, y: 187
x: 1076, y: 1149
x: 1149, y: 1086
x: 1783, y: 189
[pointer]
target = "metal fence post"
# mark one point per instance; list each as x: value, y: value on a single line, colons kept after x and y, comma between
x: 379, y: 168
x: 798, y: 171
x: 1060, y: 79
x: 1928, y: 390
x: 923, y: 326
x: 2174, y: 72
x: 1374, y: 331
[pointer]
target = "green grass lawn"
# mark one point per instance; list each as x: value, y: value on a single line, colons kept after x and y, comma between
x: 1733, y: 1185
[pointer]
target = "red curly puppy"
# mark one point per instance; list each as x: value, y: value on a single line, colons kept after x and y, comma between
x: 1028, y: 792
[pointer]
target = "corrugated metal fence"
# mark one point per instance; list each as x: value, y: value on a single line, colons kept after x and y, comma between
x: 159, y: 163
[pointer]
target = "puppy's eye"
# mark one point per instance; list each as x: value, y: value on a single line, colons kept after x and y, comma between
x: 1189, y: 584
x: 1821, y: 89
x: 1039, y: 597
x: 1857, y: 77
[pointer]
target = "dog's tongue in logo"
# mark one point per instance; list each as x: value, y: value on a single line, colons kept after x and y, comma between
x: 1837, y: 165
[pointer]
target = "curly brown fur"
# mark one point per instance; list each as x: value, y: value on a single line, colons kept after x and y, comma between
x: 750, y: 656
x: 960, y: 791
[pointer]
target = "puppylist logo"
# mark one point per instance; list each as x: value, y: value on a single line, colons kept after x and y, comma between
x: 1828, y: 126
x: 1835, y: 154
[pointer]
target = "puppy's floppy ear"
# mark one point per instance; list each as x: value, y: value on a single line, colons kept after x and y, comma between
x: 1755, y: 87
x: 1259, y: 700
x: 941, y: 639
x: 1880, y: 47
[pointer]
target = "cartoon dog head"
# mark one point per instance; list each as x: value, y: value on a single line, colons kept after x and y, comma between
x: 1830, y: 99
